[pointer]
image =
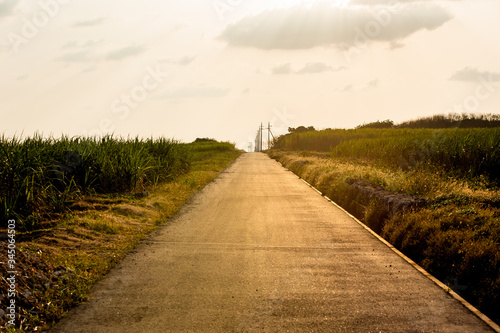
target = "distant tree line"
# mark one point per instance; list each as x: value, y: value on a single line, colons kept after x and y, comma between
x: 301, y: 129
x: 378, y: 124
x: 205, y: 140
x: 440, y: 121
x: 452, y: 120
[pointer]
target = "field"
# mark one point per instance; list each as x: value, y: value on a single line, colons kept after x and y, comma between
x: 468, y: 153
x: 39, y: 177
x: 454, y: 174
x: 82, y: 204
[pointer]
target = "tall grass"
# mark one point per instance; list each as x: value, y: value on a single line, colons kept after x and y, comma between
x: 462, y: 152
x: 455, y: 236
x: 38, y: 176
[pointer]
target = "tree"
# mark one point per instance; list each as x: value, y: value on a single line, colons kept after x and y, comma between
x: 301, y: 129
x: 378, y: 124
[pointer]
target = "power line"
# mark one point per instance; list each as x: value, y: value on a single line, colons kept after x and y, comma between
x: 259, y: 137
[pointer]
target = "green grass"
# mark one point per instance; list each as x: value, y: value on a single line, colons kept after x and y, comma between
x: 96, y: 233
x: 39, y: 177
x: 456, y: 235
x: 469, y: 153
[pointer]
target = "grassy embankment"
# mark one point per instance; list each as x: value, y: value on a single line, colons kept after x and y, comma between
x: 81, y: 204
x: 456, y: 234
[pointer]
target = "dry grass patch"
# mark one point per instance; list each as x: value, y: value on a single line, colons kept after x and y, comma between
x: 456, y: 236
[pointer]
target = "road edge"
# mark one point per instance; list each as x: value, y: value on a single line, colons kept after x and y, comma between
x: 495, y: 327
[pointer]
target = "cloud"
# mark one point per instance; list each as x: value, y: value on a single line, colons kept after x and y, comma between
x: 317, y: 67
x: 72, y: 44
x: 85, y: 55
x: 309, y: 68
x: 349, y: 88
x: 125, y: 52
x: 320, y: 24
x: 184, y: 61
x: 373, y: 83
x: 470, y: 74
x: 282, y: 69
x: 7, y: 7
x: 81, y: 56
x: 178, y: 27
x: 385, y: 2
x: 89, y: 23
x: 395, y: 44
x: 191, y: 92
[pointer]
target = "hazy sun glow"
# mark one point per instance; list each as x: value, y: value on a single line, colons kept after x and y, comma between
x: 219, y: 68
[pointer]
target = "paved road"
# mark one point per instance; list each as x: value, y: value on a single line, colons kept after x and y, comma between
x: 260, y: 251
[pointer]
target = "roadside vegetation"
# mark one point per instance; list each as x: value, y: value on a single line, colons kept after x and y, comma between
x: 41, y: 177
x: 454, y: 172
x: 81, y: 205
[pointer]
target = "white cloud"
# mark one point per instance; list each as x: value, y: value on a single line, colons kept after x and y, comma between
x: 85, y: 55
x: 317, y: 67
x: 309, y: 68
x: 89, y: 23
x: 125, y: 52
x: 358, y: 88
x: 345, y: 89
x: 373, y: 83
x: 302, y: 27
x: 282, y: 69
x: 72, y: 44
x: 80, y: 56
x: 184, y: 61
x: 470, y: 74
x: 7, y: 7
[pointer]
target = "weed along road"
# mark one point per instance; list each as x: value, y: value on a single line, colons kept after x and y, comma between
x: 259, y: 250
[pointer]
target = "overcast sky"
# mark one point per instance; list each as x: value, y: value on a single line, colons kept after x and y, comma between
x: 205, y: 68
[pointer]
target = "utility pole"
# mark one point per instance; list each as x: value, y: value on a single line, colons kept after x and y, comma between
x: 259, y: 139
x: 261, y: 129
x: 268, y: 134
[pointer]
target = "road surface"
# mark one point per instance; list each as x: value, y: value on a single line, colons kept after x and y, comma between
x: 259, y: 251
